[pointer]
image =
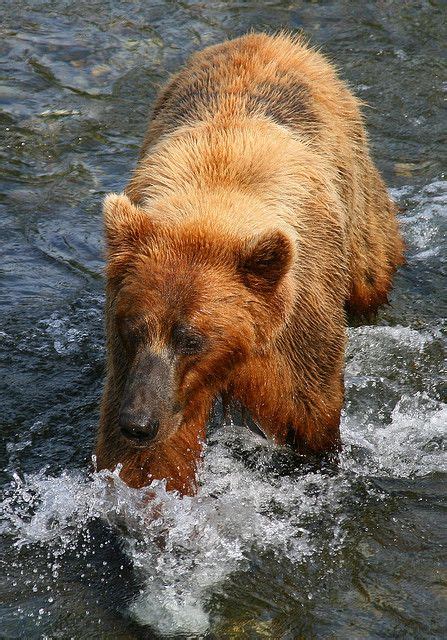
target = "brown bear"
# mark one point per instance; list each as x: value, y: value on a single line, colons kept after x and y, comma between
x: 254, y: 220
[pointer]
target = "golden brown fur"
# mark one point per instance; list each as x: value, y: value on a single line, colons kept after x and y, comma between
x: 255, y: 216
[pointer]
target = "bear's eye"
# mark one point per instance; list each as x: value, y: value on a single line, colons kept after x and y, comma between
x: 131, y: 332
x: 186, y: 341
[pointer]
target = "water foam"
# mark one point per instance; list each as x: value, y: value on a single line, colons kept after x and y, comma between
x: 184, y: 549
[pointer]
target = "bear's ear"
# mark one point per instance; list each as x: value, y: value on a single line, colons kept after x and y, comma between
x: 125, y: 225
x: 266, y: 260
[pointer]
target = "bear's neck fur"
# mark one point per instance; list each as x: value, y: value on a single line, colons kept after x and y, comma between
x: 254, y: 169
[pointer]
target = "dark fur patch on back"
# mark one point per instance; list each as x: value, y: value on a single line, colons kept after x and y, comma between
x: 287, y: 102
x: 180, y: 104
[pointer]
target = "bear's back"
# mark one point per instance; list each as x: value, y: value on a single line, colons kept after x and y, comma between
x: 278, y: 77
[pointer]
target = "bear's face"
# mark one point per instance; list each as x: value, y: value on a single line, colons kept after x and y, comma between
x: 186, y: 306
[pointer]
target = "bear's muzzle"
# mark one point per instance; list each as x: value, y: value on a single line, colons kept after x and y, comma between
x: 146, y: 398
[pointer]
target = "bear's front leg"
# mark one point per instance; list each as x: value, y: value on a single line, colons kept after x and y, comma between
x: 292, y: 408
x: 315, y: 432
x: 308, y: 430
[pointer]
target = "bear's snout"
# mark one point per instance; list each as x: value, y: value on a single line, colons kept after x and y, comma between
x: 137, y: 427
x: 147, y: 399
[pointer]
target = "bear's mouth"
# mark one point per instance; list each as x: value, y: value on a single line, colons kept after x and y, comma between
x: 137, y: 438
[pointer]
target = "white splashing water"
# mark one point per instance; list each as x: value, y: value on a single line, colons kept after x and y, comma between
x: 185, y: 548
x: 208, y: 537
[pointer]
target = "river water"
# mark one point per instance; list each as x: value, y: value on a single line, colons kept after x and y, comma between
x: 269, y: 548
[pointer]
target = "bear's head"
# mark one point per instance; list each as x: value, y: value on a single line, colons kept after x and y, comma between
x: 187, y: 303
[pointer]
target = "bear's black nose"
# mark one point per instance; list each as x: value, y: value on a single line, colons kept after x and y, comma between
x: 138, y: 429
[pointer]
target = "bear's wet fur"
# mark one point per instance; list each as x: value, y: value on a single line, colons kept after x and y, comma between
x: 253, y: 221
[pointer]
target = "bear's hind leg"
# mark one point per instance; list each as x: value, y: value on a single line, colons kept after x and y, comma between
x: 376, y: 250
